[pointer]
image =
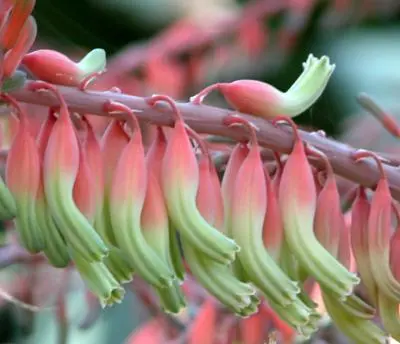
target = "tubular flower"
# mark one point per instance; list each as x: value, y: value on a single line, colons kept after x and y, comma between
x: 95, y: 274
x: 379, y: 234
x: 238, y: 154
x: 249, y: 204
x: 116, y: 261
x: 261, y: 99
x: 236, y: 295
x: 127, y: 197
x: 248, y: 213
x: 154, y: 159
x: 155, y: 226
x: 297, y: 200
x: 331, y: 231
x: 359, y: 242
x: 389, y: 310
x: 23, y: 156
x: 180, y: 185
x: 61, y: 165
x: 52, y: 66
x: 56, y: 249
x: 113, y: 142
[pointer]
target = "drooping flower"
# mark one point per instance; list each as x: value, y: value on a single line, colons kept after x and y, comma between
x: 116, y: 261
x: 332, y: 232
x: 297, y: 200
x: 379, y: 234
x: 96, y: 275
x: 126, y: 202
x: 156, y: 231
x: 56, y: 249
x: 214, y: 276
x: 154, y: 160
x: 264, y: 100
x: 249, y: 207
x: 180, y: 185
x: 112, y: 143
x: 23, y: 156
x: 61, y: 165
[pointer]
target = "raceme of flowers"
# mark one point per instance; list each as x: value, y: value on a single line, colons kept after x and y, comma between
x: 253, y: 236
x: 115, y: 208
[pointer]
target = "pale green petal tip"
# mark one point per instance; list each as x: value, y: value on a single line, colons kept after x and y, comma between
x: 308, y: 87
x: 95, y: 61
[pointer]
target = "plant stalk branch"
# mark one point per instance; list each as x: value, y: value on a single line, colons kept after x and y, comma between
x: 208, y: 119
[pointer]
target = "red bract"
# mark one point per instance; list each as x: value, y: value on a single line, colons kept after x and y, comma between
x: 23, y: 156
x: 13, y: 26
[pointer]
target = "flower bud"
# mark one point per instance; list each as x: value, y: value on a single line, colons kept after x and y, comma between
x: 260, y: 99
x: 54, y: 67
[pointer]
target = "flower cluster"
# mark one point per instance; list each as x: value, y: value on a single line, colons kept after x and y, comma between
x: 263, y: 243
